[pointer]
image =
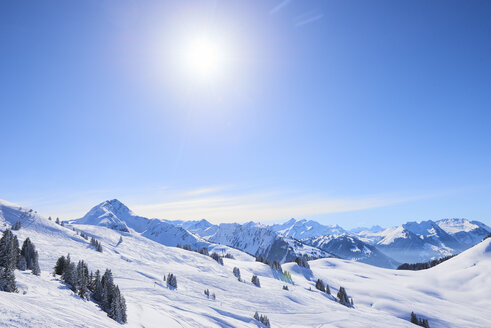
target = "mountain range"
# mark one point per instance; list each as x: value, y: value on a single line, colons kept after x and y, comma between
x: 451, y: 294
x: 408, y: 243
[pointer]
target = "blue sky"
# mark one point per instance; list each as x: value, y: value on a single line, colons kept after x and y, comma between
x: 348, y: 112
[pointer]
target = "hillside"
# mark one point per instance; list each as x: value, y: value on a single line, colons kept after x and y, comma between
x: 138, y: 264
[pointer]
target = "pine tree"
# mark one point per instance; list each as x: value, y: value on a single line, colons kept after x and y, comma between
x: 303, y: 262
x: 343, y: 297
x: 172, y: 280
x: 118, y: 310
x: 414, y: 318
x: 107, y: 290
x: 36, y: 270
x: 9, y: 250
x: 236, y: 272
x: 17, y: 226
x: 7, y: 280
x: 328, y: 290
x: 21, y: 263
x: 60, y: 265
x: 256, y: 316
x: 70, y: 275
x: 82, y: 279
x: 97, y: 287
x: 217, y: 258
x: 320, y: 285
x: 255, y: 281
x: 57, y: 220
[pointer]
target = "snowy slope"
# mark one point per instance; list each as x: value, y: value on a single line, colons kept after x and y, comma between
x: 453, y: 294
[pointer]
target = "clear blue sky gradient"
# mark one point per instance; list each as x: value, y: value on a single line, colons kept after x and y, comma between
x: 329, y: 100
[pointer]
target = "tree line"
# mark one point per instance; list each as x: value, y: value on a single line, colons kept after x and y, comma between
x: 89, y: 285
x: 12, y: 257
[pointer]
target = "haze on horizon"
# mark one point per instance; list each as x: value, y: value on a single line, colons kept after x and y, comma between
x: 374, y: 113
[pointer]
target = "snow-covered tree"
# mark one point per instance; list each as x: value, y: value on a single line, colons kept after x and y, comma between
x: 9, y: 250
x: 117, y: 311
x: 107, y: 290
x: 36, y: 270
x: 29, y: 252
x: 83, y: 279
x: 7, y: 280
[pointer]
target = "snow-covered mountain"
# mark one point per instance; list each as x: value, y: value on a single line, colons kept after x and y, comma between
x: 352, y: 248
x: 300, y: 229
x: 260, y: 241
x: 373, y: 229
x: 452, y: 294
x: 115, y: 215
x: 426, y: 240
x: 201, y: 228
x: 467, y: 233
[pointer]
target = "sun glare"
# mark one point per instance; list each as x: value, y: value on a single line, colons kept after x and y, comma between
x: 204, y: 58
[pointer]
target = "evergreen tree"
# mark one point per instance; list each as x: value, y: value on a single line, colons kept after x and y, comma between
x: 57, y: 220
x: 172, y: 280
x: 107, y: 290
x: 36, y: 270
x: 21, y: 263
x: 320, y: 285
x: 343, y: 297
x: 303, y: 262
x: 328, y: 290
x: 9, y: 250
x: 70, y: 275
x: 83, y: 279
x: 217, y: 258
x: 414, y: 318
x: 255, y: 281
x: 17, y: 226
x: 97, y: 287
x: 118, y: 306
x: 60, y: 265
x: 236, y: 272
x: 7, y: 280
x: 256, y: 316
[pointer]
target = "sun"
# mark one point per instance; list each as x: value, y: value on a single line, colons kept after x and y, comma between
x: 204, y: 57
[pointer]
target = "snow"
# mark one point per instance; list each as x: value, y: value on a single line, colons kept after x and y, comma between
x: 455, y: 225
x: 452, y: 294
x: 301, y: 229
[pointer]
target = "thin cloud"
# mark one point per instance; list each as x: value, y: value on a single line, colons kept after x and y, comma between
x: 279, y: 6
x: 307, y: 19
x: 222, y: 208
x: 202, y: 191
